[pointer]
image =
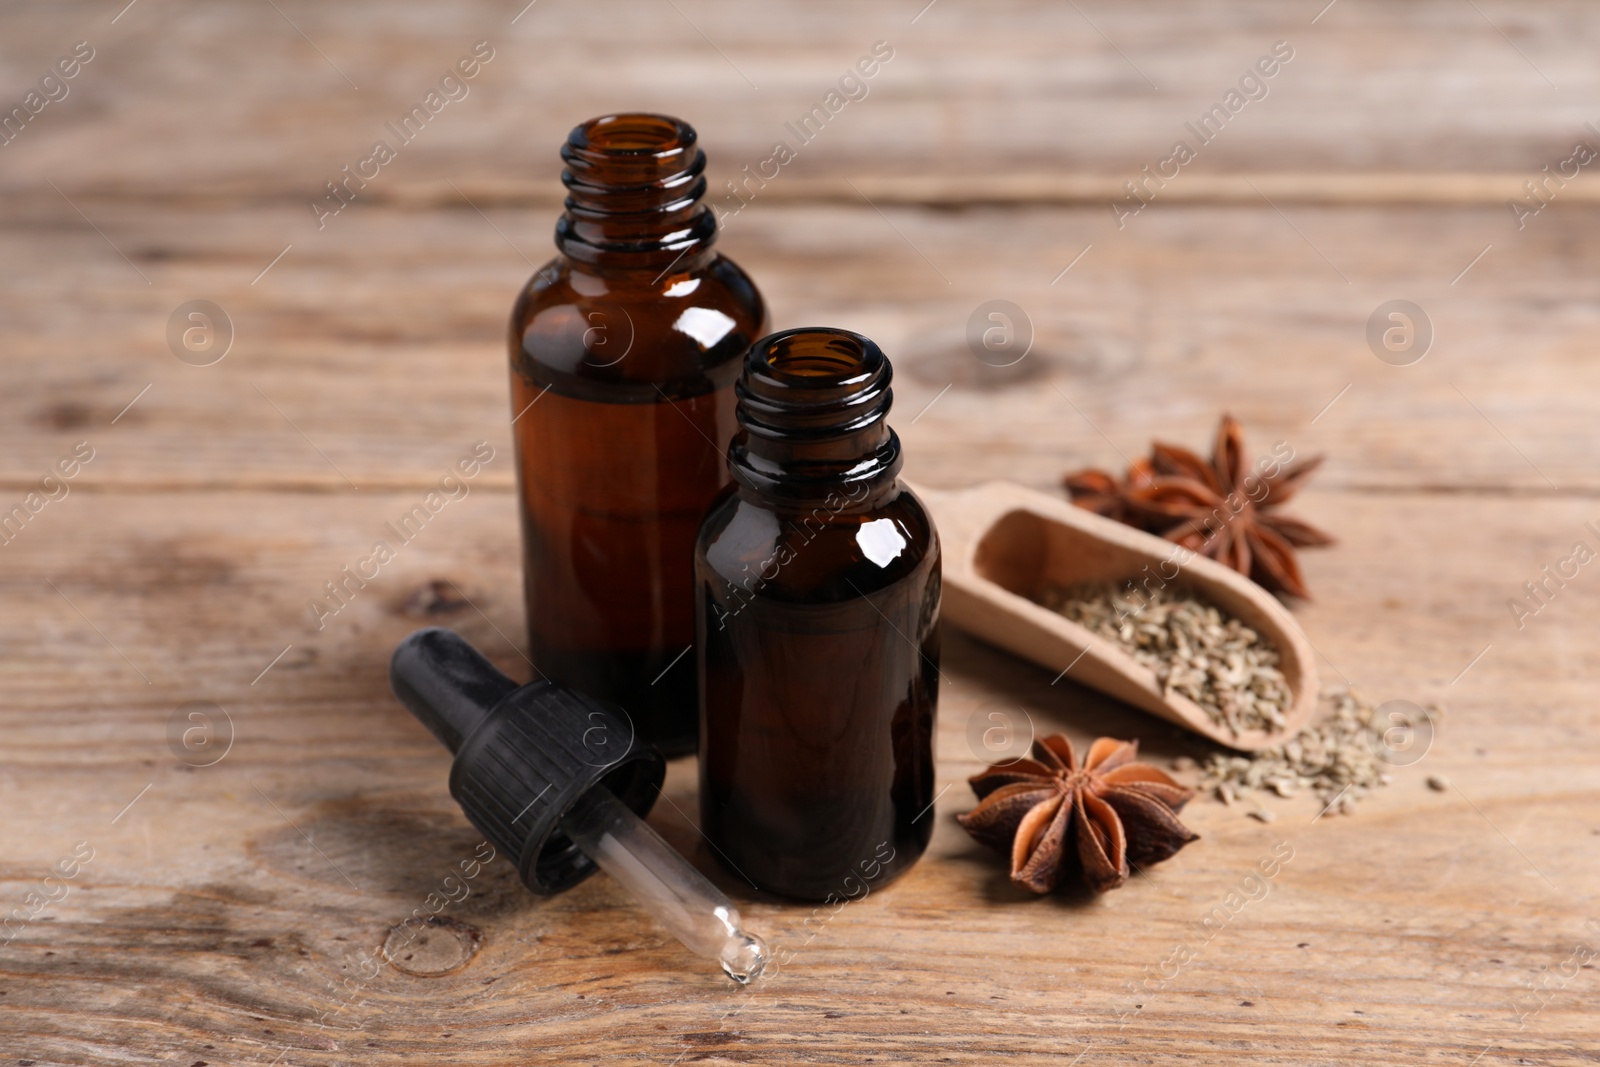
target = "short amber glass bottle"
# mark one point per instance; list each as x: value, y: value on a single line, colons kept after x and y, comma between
x: 624, y: 352
x: 817, y: 604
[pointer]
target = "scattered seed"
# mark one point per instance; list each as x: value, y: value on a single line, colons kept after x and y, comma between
x: 1438, y: 783
x: 1337, y: 756
x: 1262, y: 814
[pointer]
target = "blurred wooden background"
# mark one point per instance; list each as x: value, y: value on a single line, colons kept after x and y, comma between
x: 225, y: 913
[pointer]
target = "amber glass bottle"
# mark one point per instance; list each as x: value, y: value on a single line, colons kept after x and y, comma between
x: 624, y: 352
x: 816, y: 612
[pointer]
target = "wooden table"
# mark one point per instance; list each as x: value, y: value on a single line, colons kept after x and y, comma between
x: 229, y: 911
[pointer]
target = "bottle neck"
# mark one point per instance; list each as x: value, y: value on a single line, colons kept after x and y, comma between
x: 812, y: 407
x: 634, y: 183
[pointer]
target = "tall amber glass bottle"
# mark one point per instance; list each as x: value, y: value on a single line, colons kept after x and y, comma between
x: 624, y: 352
x: 817, y: 604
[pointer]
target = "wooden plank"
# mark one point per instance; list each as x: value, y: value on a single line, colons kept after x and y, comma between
x: 256, y: 102
x: 215, y: 921
x: 1027, y: 188
x: 371, y: 353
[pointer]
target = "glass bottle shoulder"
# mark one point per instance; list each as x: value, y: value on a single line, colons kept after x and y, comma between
x: 827, y: 552
x: 581, y: 331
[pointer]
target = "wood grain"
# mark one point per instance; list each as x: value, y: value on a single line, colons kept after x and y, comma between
x: 228, y: 909
x: 380, y: 342
x: 216, y: 911
x: 256, y: 102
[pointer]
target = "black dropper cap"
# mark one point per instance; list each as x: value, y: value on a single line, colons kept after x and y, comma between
x: 524, y: 754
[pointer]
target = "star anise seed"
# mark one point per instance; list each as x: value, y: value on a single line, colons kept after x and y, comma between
x: 1096, y: 821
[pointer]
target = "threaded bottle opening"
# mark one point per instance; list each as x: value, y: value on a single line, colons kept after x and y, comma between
x: 634, y: 183
x: 815, y: 380
x: 812, y: 406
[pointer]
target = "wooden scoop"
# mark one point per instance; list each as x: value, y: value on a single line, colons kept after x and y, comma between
x: 1003, y: 543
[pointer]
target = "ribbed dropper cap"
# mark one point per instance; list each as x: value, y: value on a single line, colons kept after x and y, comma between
x: 524, y: 754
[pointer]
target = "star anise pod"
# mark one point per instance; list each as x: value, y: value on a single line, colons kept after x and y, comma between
x: 1093, y: 821
x: 1105, y: 495
x: 1223, y: 508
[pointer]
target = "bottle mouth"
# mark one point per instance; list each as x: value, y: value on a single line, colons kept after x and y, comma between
x: 632, y: 149
x: 815, y: 369
x: 636, y: 131
x: 814, y: 357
